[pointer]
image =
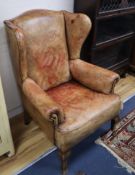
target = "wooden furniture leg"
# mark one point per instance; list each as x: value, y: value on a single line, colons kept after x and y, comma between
x: 114, y: 122
x: 27, y: 118
x: 64, y: 155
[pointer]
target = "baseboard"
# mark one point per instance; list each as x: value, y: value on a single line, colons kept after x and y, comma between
x: 15, y: 111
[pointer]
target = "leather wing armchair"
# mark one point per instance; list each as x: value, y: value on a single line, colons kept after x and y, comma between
x: 59, y: 90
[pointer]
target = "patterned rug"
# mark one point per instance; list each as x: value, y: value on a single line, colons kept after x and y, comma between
x: 121, y: 143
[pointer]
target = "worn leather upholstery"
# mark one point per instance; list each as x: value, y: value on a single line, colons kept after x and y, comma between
x: 55, y: 84
x: 94, y: 77
x: 76, y: 33
x: 85, y: 110
x: 45, y: 43
x: 41, y: 101
x: 82, y: 105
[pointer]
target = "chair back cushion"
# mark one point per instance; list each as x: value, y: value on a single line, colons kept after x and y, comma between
x: 46, y: 48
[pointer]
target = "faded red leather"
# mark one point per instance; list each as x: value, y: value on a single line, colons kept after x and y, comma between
x: 77, y: 26
x: 41, y: 101
x: 82, y: 105
x: 38, y: 40
x: 47, y: 56
x: 94, y: 77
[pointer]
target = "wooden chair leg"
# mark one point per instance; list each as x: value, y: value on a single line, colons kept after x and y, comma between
x: 27, y: 118
x: 114, y: 122
x: 64, y: 161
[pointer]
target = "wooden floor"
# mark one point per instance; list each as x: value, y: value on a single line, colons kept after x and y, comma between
x: 31, y: 143
x: 126, y: 87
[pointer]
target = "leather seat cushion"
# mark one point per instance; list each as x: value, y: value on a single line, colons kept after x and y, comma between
x: 82, y: 105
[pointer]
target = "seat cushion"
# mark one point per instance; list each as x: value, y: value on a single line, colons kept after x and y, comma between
x: 82, y: 105
x: 85, y: 110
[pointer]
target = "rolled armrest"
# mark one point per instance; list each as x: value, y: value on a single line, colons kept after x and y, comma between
x: 48, y: 108
x: 94, y: 77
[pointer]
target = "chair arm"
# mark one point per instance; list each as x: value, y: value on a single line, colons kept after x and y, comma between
x: 48, y: 108
x: 94, y: 77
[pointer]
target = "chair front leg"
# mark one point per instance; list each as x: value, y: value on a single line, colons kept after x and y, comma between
x: 64, y: 155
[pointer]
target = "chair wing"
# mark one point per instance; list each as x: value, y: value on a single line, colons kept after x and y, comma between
x: 78, y: 26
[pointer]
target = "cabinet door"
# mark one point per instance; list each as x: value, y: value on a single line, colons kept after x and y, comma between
x: 132, y: 61
x: 6, y: 142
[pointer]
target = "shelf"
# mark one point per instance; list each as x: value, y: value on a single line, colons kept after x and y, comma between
x: 119, y: 65
x: 111, y: 39
x: 115, y: 13
x: 116, y: 63
x: 110, y: 8
x: 114, y: 40
x: 115, y: 30
x: 112, y: 56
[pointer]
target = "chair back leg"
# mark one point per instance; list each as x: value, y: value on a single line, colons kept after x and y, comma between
x: 27, y: 118
x: 114, y: 122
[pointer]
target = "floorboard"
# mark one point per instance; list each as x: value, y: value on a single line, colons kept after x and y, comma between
x: 126, y: 87
x: 30, y: 143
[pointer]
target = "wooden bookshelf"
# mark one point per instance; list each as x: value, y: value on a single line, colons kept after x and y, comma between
x: 112, y: 34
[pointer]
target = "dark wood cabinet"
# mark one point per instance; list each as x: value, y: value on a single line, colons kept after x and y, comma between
x: 113, y: 32
x: 132, y: 60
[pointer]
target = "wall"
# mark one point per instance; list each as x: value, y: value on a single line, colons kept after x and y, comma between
x: 10, y: 9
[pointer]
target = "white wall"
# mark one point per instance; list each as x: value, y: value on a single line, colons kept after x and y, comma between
x: 10, y: 9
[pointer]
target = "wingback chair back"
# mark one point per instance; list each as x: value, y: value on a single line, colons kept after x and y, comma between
x: 41, y: 36
x: 67, y: 97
